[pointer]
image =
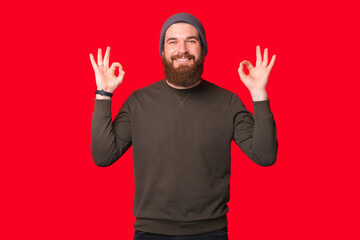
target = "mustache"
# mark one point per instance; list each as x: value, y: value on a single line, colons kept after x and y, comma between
x: 184, y: 55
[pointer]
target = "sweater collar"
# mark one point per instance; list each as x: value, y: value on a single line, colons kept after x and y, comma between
x: 186, y: 90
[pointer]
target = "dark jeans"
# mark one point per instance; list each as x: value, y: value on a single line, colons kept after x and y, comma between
x: 220, y: 234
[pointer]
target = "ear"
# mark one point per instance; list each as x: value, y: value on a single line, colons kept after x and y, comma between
x: 162, y: 53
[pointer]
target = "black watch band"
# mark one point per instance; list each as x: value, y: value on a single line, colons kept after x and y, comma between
x: 103, y: 93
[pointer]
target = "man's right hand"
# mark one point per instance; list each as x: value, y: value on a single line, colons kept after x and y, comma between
x: 105, y: 76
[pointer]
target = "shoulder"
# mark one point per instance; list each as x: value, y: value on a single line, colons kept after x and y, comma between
x: 216, y: 89
x: 156, y: 86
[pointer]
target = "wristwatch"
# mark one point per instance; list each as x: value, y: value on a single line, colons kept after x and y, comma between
x: 103, y: 93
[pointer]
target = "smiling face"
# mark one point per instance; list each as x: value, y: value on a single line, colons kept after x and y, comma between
x: 182, y: 44
x: 182, y: 56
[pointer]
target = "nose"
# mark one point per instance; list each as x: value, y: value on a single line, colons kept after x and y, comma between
x: 182, y: 47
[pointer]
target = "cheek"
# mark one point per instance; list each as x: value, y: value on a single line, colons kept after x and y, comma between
x: 196, y: 51
x: 169, y: 53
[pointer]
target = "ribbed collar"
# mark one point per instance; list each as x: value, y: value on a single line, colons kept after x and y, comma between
x: 187, y: 90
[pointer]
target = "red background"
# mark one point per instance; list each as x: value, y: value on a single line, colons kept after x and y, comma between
x: 50, y: 187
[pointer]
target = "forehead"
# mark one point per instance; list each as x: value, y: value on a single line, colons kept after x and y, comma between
x: 181, y: 30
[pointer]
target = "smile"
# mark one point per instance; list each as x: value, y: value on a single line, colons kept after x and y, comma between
x: 182, y: 59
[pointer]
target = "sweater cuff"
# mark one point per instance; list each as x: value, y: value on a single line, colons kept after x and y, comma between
x: 261, y: 108
x: 102, y: 106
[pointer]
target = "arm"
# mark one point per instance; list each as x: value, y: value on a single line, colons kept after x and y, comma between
x: 109, y: 140
x: 255, y: 134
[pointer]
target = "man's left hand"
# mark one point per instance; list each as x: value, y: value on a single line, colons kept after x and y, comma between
x: 258, y: 76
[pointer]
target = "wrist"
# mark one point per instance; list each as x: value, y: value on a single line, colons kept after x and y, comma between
x: 258, y: 95
x: 105, y: 89
x: 98, y: 96
x: 103, y: 94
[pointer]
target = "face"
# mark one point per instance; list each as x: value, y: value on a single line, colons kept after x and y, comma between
x: 182, y: 56
x: 182, y: 44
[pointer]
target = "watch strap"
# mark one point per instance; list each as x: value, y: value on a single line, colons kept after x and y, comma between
x: 103, y: 93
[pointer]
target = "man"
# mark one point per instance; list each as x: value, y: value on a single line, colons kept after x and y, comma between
x: 181, y: 129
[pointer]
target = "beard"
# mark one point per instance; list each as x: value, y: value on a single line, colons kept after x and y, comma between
x: 183, y: 76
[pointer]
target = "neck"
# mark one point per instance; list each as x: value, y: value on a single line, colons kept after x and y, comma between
x: 180, y: 87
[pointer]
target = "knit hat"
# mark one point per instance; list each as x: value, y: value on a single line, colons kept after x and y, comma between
x: 187, y: 18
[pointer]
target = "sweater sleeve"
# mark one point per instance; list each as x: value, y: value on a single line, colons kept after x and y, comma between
x: 255, y: 134
x: 110, y: 140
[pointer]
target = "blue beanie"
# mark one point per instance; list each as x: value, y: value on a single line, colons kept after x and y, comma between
x: 187, y: 18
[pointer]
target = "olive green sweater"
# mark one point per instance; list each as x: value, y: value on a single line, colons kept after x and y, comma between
x: 181, y: 151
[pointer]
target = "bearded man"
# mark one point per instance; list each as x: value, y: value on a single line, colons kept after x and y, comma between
x: 181, y: 129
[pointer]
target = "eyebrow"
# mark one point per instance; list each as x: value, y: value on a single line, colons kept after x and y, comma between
x: 190, y: 37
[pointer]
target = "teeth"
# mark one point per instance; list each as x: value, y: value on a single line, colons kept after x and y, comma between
x: 182, y: 60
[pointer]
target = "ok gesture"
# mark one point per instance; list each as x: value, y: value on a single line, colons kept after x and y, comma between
x: 105, y: 76
x: 258, y: 76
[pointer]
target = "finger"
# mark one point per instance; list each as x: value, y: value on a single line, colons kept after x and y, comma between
x: 258, y: 56
x: 265, y: 62
x: 93, y: 63
x: 100, y: 61
x: 247, y: 64
x: 271, y: 62
x: 241, y: 71
x: 107, y: 57
x: 114, y: 66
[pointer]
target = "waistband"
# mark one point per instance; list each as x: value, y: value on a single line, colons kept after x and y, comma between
x: 180, y: 228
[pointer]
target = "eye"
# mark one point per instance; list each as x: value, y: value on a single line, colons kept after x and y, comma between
x: 171, y: 42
